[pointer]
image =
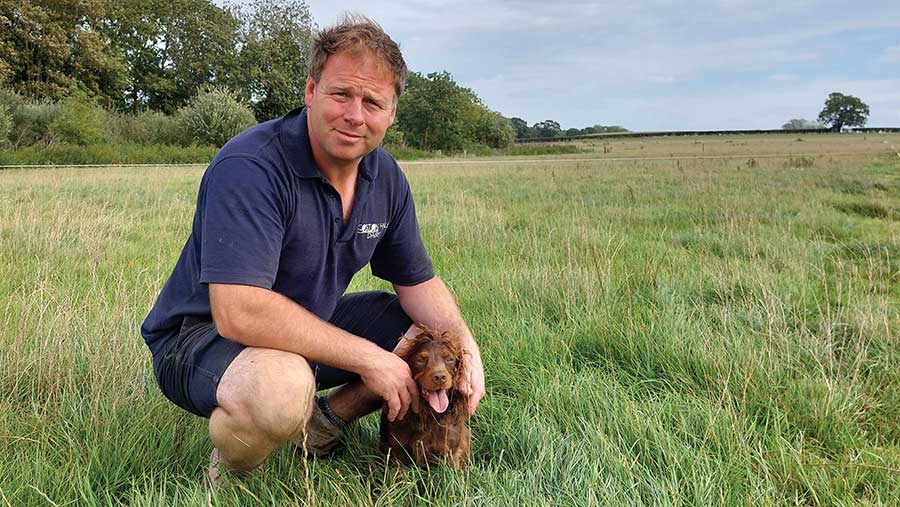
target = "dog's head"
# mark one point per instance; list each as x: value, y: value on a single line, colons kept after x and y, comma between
x: 436, y: 362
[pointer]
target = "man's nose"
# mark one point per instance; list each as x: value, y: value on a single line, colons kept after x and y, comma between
x: 353, y: 113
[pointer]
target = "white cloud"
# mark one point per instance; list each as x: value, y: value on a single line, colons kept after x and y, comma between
x: 698, y: 64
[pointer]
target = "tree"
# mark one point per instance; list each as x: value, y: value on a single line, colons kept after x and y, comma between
x: 547, y: 128
x: 843, y: 110
x: 173, y: 47
x: 801, y: 124
x: 434, y: 112
x: 275, y: 45
x: 492, y: 129
x: 49, y: 48
x: 521, y: 127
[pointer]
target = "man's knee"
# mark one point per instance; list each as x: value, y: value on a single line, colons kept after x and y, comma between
x: 268, y: 391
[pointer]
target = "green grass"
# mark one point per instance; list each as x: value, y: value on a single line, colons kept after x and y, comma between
x: 654, y: 333
x: 99, y: 154
x: 69, y: 154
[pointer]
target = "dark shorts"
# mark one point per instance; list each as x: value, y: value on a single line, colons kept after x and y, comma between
x: 189, y: 370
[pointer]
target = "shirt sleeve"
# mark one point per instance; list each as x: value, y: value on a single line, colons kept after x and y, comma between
x: 400, y: 256
x: 242, y: 224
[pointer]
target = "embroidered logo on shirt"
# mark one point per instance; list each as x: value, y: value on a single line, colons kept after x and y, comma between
x: 372, y: 231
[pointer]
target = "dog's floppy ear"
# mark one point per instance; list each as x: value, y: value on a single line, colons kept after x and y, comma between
x: 454, y: 344
x: 406, y: 345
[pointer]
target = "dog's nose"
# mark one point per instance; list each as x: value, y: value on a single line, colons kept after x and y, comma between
x: 439, y: 378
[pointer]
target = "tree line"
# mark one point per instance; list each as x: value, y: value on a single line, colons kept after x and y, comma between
x: 85, y: 71
x: 551, y: 129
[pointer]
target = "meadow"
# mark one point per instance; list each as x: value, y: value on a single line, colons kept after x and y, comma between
x: 655, y: 330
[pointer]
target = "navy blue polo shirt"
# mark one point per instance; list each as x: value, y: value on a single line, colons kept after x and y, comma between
x: 267, y: 217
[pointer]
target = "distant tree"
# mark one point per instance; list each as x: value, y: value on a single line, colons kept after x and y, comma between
x: 435, y: 113
x: 275, y: 44
x: 603, y: 129
x: 491, y: 128
x: 841, y: 110
x: 547, y: 128
x: 521, y: 127
x: 572, y: 132
x: 49, y: 48
x: 801, y: 124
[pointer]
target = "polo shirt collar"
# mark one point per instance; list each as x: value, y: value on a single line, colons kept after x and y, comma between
x: 294, y: 137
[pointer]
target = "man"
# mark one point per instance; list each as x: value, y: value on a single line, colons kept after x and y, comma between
x: 253, y: 321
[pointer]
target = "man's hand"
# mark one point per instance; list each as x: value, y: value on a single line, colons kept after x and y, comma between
x: 473, y: 386
x: 388, y: 376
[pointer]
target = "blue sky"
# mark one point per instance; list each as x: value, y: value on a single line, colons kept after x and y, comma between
x: 652, y: 65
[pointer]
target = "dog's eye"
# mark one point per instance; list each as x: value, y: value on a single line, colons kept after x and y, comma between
x: 449, y: 360
x: 421, y: 360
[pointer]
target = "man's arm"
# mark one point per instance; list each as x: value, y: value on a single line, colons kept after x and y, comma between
x: 431, y: 303
x: 258, y: 317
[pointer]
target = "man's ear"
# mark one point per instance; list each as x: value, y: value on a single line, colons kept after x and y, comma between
x: 394, y: 109
x: 310, y: 90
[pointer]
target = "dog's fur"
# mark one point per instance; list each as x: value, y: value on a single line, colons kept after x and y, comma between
x: 436, y: 362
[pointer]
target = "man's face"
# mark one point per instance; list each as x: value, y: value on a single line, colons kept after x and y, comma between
x: 349, y: 109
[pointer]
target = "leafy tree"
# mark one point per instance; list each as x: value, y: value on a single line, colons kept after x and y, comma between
x: 491, y: 128
x: 521, y: 127
x: 802, y: 124
x: 547, y: 128
x: 393, y: 137
x: 434, y: 111
x: 275, y: 47
x: 843, y: 110
x: 172, y: 47
x: 49, y: 48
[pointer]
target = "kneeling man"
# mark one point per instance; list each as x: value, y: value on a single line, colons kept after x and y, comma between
x: 254, y: 319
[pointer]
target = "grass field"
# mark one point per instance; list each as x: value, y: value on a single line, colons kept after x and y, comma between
x: 655, y: 332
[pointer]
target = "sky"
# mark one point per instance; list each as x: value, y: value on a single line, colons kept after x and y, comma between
x: 651, y: 65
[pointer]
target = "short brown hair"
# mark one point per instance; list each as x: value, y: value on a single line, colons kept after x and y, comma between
x: 354, y: 32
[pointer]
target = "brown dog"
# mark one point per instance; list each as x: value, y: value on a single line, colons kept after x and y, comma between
x: 439, y: 430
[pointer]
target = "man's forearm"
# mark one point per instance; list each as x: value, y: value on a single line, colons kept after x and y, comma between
x: 431, y: 303
x: 259, y: 317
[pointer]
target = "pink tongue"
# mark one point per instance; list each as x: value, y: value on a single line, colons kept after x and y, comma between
x: 438, y: 401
